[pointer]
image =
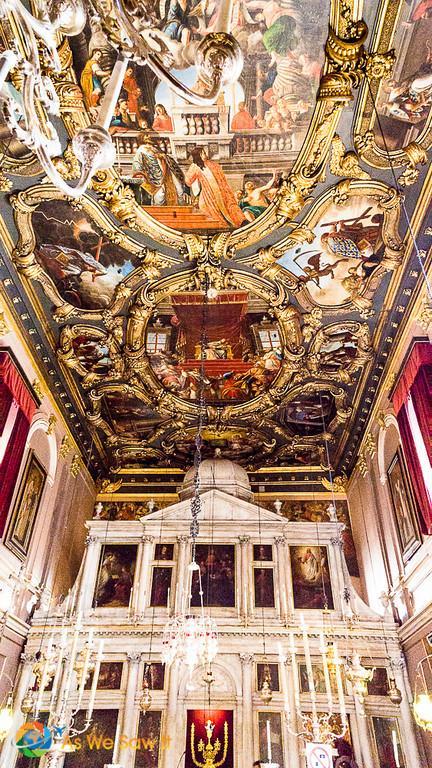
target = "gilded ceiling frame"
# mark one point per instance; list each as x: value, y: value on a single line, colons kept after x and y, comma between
x: 346, y: 64
x: 412, y: 154
x: 265, y: 261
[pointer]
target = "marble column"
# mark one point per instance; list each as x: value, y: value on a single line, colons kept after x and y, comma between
x: 244, y: 580
x: 181, y: 585
x: 144, y: 577
x: 171, y: 755
x: 292, y: 741
x: 26, y: 677
x: 281, y: 595
x: 89, y: 574
x: 407, y: 730
x: 366, y: 752
x: 247, y: 693
x: 126, y: 756
x: 355, y: 737
x: 137, y: 586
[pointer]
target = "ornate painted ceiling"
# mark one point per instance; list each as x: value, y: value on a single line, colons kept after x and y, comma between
x: 280, y: 221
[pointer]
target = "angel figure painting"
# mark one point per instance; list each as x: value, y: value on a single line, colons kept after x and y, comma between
x: 210, y: 167
x: 346, y: 251
x: 115, y: 577
x: 311, y: 577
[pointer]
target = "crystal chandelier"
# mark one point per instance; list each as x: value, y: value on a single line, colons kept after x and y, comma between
x: 131, y: 27
x: 189, y: 637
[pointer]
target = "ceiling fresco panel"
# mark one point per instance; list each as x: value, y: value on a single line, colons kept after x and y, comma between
x: 393, y: 126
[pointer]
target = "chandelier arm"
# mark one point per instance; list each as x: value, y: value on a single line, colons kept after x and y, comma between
x: 208, y: 87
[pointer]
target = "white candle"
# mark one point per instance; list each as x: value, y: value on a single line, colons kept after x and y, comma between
x: 95, y: 680
x: 295, y: 672
x: 168, y: 598
x: 72, y: 661
x: 87, y: 655
x: 269, y: 751
x: 323, y: 648
x: 395, y: 748
x: 339, y: 684
x: 44, y: 675
x: 112, y: 93
x: 309, y: 670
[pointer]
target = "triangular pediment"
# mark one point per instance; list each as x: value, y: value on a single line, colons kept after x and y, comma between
x: 217, y: 506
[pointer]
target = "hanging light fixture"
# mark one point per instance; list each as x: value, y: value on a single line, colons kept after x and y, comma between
x: 133, y: 31
x: 190, y: 637
x: 422, y: 705
x: 146, y: 699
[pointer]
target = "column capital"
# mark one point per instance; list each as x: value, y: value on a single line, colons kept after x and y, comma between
x: 183, y: 538
x: 147, y: 539
x: 278, y: 540
x: 397, y: 663
x: 134, y: 657
x: 28, y: 658
x: 337, y: 541
x: 246, y: 658
x: 244, y: 540
x: 90, y: 539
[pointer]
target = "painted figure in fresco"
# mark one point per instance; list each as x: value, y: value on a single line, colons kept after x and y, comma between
x: 163, y: 180
x: 216, y: 200
x: 310, y: 566
x: 254, y: 200
x: 345, y: 758
x: 133, y: 91
x: 281, y: 23
x: 92, y: 80
x: 180, y: 22
x: 242, y: 120
x: 114, y: 582
x: 162, y: 121
x: 411, y: 99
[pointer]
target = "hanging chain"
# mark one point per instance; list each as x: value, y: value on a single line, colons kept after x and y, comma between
x: 196, y: 500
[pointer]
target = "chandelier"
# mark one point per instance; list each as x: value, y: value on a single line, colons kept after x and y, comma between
x: 190, y: 637
x: 422, y: 705
x: 131, y: 27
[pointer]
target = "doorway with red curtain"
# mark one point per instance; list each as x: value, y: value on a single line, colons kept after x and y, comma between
x: 219, y: 723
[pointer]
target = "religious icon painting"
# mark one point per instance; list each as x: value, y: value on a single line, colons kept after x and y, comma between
x: 155, y: 674
x: 149, y: 740
x: 115, y: 576
x: 263, y: 552
x: 26, y: 507
x: 311, y: 578
x: 161, y: 585
x: 218, y: 724
x: 404, y: 507
x: 264, y: 670
x: 164, y: 552
x: 110, y: 676
x: 96, y: 746
x: 319, y: 679
x: 217, y: 571
x: 388, y: 742
x: 270, y: 738
x: 378, y: 686
x: 264, y: 587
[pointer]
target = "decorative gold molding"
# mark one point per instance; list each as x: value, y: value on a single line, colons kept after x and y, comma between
x: 65, y: 447
x: 76, y: 465
x: 52, y: 421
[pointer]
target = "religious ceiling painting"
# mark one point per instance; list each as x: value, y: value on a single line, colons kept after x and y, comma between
x: 241, y: 358
x: 311, y: 577
x: 320, y: 512
x: 123, y: 415
x: 394, y: 122
x: 211, y: 168
x: 355, y: 240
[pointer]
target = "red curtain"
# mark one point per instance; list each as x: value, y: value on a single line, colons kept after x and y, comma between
x: 13, y: 387
x: 415, y: 471
x: 421, y: 355
x: 11, y: 377
x: 10, y: 465
x: 421, y: 394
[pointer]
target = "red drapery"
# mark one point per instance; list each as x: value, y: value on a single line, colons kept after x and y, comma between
x: 415, y: 471
x: 11, y: 377
x: 421, y: 355
x: 14, y: 387
x: 421, y: 394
